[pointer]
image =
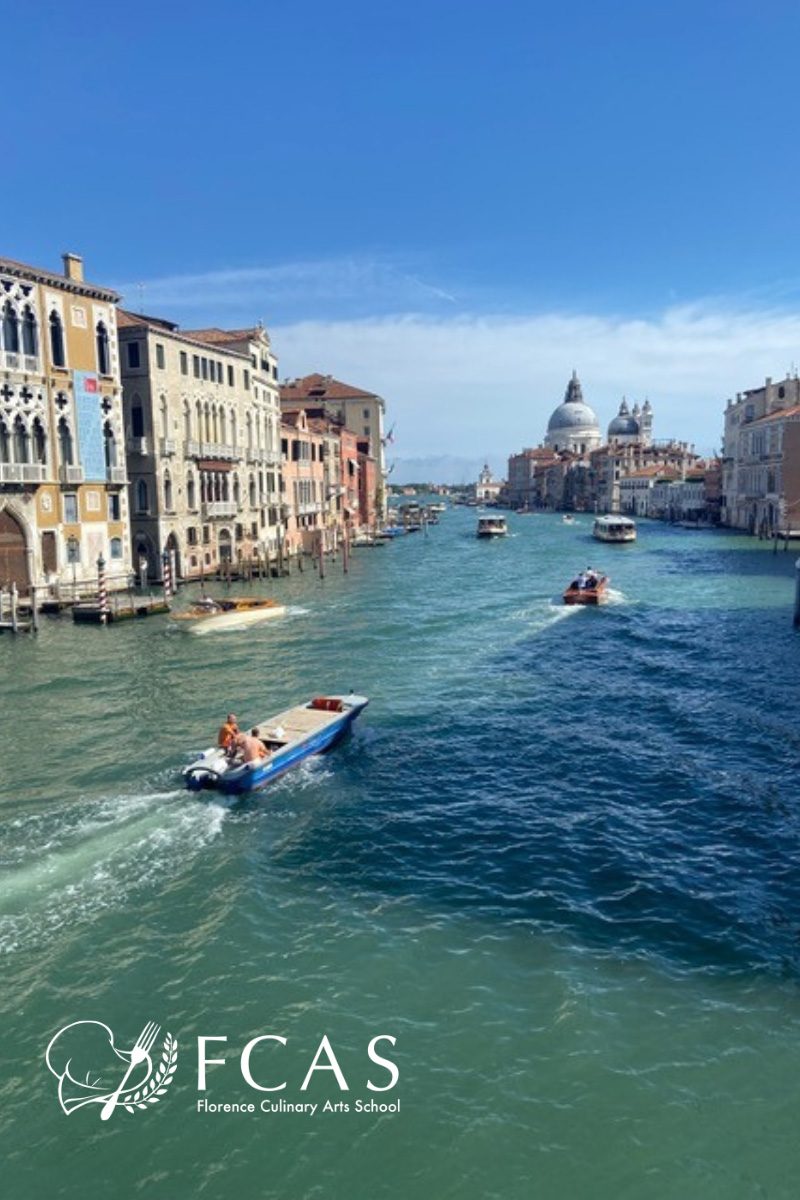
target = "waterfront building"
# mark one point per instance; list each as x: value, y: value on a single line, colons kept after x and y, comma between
x: 371, y: 491
x: 202, y: 441
x: 487, y: 489
x: 360, y: 411
x: 526, y: 478
x: 644, y: 492
x: 304, y: 481
x: 618, y: 461
x: 63, y: 504
x: 573, y: 426
x: 761, y: 459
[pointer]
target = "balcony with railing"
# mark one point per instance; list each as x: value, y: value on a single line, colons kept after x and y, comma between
x: 34, y: 472
x: 221, y: 450
x: 12, y: 360
x: 168, y: 447
x: 69, y: 474
x: 136, y: 445
x: 116, y: 475
x: 219, y: 510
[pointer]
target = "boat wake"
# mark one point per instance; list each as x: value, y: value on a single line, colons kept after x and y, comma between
x: 542, y: 616
x: 68, y: 864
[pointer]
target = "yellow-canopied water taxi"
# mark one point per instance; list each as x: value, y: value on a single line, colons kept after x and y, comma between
x: 207, y: 614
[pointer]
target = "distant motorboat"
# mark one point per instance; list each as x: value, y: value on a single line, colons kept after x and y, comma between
x: 568, y: 519
x: 614, y: 529
x: 587, y: 588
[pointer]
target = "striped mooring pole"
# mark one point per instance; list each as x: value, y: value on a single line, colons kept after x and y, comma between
x: 102, y: 592
x: 167, y: 573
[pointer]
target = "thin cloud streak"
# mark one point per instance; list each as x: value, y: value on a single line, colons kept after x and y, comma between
x: 361, y: 282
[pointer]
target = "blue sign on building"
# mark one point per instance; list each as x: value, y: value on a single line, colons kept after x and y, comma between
x: 91, y: 446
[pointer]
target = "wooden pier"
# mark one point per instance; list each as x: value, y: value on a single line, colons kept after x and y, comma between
x: 118, y: 608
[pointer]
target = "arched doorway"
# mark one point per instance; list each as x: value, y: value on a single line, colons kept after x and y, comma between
x: 13, y: 553
x: 224, y: 545
x: 174, y: 549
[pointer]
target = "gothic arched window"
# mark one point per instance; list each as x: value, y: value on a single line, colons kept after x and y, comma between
x: 10, y: 329
x: 103, y: 356
x: 65, y: 443
x: 39, y: 442
x: 109, y: 445
x: 5, y: 445
x: 190, y: 492
x: 22, y: 442
x: 142, y: 497
x: 168, y: 492
x: 30, y: 334
x: 57, y: 340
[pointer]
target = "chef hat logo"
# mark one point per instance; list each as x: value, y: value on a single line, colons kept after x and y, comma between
x: 90, y: 1068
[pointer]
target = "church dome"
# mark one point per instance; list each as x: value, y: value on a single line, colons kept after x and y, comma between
x: 624, y: 427
x: 573, y: 413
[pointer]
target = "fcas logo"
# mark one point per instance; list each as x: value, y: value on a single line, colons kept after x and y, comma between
x: 90, y: 1069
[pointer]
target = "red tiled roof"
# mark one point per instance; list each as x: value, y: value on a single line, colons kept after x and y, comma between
x: 214, y: 337
x: 318, y: 388
x: 780, y: 413
x: 127, y: 320
x: 651, y: 472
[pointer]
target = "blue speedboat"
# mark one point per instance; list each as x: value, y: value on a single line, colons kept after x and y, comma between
x: 287, y: 739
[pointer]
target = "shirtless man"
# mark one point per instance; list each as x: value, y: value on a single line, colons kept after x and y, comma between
x: 250, y: 748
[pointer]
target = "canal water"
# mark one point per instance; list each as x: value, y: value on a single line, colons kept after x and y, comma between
x: 557, y: 862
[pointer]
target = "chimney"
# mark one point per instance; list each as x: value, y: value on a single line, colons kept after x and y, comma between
x: 73, y: 267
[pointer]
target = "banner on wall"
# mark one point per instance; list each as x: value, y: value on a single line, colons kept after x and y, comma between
x: 88, y: 398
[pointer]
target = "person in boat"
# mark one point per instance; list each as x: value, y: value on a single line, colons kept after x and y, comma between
x: 228, y: 734
x: 250, y: 748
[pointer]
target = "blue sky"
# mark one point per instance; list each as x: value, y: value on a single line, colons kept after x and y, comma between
x: 453, y: 204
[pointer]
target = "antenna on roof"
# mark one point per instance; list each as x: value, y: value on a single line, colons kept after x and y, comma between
x: 140, y: 288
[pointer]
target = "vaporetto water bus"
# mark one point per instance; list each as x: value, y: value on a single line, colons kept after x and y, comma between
x: 491, y: 527
x: 614, y: 529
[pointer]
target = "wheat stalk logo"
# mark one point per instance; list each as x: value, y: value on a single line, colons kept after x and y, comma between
x: 160, y: 1081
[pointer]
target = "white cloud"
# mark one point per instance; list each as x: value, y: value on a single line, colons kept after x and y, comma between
x: 477, y: 385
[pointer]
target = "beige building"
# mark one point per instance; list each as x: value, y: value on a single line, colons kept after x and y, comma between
x: 63, y: 503
x: 761, y: 459
x: 360, y: 411
x: 202, y: 430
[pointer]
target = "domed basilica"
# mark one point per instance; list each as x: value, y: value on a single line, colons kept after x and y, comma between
x: 574, y: 427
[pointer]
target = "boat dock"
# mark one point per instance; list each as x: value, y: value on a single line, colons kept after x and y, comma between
x: 118, y: 608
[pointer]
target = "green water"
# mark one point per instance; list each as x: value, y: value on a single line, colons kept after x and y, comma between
x: 573, y: 907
